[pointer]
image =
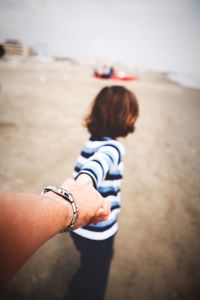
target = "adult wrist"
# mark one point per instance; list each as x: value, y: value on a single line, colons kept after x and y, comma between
x: 66, y: 210
x: 65, y: 198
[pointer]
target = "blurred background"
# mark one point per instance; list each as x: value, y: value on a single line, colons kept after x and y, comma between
x: 48, y: 53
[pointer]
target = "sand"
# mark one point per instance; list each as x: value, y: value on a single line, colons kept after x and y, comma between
x: 157, y: 247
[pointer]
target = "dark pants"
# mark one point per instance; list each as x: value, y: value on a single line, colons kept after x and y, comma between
x: 90, y: 281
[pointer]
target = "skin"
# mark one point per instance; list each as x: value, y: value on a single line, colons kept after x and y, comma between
x: 27, y: 221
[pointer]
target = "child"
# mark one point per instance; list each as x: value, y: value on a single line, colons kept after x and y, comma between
x: 113, y: 114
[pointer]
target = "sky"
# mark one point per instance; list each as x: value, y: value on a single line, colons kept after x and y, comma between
x: 159, y: 34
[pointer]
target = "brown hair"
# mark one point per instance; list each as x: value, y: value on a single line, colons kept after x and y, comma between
x: 113, y: 113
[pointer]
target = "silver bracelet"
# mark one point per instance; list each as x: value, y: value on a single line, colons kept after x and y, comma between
x: 68, y: 197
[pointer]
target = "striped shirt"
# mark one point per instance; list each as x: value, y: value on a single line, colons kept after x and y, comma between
x: 102, y: 159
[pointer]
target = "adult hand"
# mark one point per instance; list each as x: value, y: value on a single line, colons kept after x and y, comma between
x: 93, y: 208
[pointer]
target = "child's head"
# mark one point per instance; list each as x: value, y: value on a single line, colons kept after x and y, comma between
x: 113, y: 113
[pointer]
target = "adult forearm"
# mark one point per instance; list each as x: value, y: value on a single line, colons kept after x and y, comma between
x: 27, y: 221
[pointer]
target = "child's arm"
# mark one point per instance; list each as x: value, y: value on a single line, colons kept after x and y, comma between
x: 84, y: 179
x: 103, y: 213
x: 97, y: 167
x: 100, y: 163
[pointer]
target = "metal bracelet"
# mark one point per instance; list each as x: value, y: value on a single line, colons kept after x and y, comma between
x: 68, y: 197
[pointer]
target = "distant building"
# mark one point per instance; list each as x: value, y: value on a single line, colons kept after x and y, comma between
x: 14, y: 48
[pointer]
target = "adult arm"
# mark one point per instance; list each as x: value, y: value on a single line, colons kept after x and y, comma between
x: 29, y: 220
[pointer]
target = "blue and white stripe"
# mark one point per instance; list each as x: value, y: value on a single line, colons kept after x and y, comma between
x: 102, y: 159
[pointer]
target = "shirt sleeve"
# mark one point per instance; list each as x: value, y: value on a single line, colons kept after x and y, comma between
x: 106, y: 157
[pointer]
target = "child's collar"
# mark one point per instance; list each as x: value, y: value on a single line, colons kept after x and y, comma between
x: 100, y: 138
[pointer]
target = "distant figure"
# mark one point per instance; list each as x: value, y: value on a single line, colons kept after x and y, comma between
x: 106, y: 73
x: 111, y: 73
x: 113, y: 114
x: 2, y: 51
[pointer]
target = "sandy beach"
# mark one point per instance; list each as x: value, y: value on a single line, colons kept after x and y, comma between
x: 157, y: 247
